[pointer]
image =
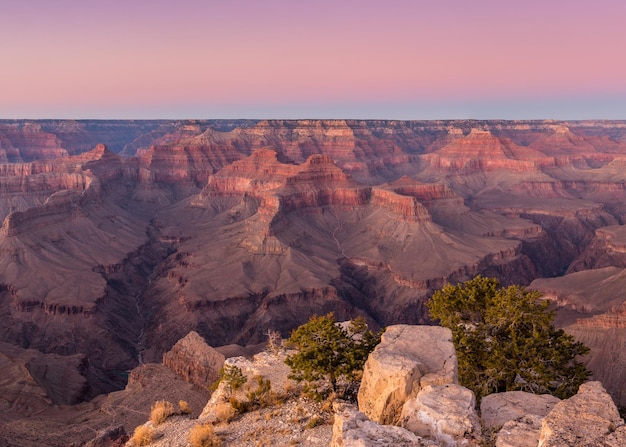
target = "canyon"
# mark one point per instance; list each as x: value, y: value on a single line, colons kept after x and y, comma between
x: 119, y: 238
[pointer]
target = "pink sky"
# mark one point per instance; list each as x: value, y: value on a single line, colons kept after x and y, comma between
x: 404, y: 59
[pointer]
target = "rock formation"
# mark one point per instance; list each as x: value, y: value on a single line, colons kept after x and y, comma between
x: 500, y: 408
x: 588, y: 418
x: 446, y: 413
x: 407, y: 360
x: 353, y: 429
x: 194, y: 360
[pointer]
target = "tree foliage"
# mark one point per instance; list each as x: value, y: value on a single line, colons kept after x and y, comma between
x: 233, y: 378
x: 505, y: 339
x: 327, y: 354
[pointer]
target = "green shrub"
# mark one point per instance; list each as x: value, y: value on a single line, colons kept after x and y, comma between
x: 328, y: 354
x: 232, y: 377
x: 505, y: 340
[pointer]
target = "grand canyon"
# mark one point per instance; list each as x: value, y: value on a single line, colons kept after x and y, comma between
x: 119, y: 238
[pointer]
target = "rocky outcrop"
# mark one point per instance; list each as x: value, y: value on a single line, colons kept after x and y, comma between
x: 499, y: 408
x: 516, y: 415
x: 27, y: 141
x: 445, y: 413
x: 194, y: 360
x: 265, y: 365
x: 521, y: 432
x: 404, y: 206
x: 32, y: 381
x: 588, y: 418
x: 408, y: 359
x: 353, y: 429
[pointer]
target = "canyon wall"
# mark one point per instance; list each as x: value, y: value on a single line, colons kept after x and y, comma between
x: 229, y: 228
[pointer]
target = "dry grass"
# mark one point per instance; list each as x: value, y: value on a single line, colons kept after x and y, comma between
x: 203, y: 436
x: 314, y: 422
x: 143, y: 435
x: 160, y: 411
x: 327, y: 405
x: 183, y: 407
x: 224, y: 412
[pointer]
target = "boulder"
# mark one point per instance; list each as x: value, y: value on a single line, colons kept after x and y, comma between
x: 269, y: 366
x: 590, y: 418
x: 407, y: 359
x: 499, y: 408
x: 353, y: 429
x: 445, y: 413
x: 521, y: 432
x: 194, y: 360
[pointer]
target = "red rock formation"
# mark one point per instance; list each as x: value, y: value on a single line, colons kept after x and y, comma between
x: 28, y: 141
x: 194, y: 360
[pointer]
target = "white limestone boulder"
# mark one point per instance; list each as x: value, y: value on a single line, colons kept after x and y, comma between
x: 407, y: 359
x: 590, y: 418
x: 499, y: 408
x: 444, y: 413
x: 353, y: 429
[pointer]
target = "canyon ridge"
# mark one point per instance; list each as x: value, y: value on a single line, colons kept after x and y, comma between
x: 119, y: 238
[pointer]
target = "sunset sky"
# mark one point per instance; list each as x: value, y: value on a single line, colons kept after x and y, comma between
x: 389, y: 59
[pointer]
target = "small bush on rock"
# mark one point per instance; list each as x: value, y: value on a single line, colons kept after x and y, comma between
x: 203, y: 436
x: 160, y: 411
x: 232, y: 377
x: 261, y: 396
x: 224, y: 412
x: 143, y: 435
x: 183, y: 407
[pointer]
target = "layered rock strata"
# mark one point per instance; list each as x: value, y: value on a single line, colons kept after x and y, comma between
x: 194, y: 360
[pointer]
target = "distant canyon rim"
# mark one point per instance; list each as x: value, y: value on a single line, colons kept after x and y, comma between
x: 121, y: 237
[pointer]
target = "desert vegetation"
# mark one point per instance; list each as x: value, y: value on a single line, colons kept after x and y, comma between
x: 143, y: 435
x: 232, y: 377
x: 505, y: 340
x: 160, y: 411
x: 203, y: 435
x: 329, y: 358
x: 183, y: 407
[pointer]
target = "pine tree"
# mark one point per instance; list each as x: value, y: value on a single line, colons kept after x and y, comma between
x: 327, y: 353
x: 505, y: 339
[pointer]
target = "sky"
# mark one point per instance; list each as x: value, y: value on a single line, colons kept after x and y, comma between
x: 365, y: 59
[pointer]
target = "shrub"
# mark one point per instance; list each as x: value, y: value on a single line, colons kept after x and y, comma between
x: 224, y: 412
x: 143, y: 435
x: 203, y: 436
x: 160, y: 411
x: 327, y: 353
x: 240, y: 406
x: 232, y: 377
x: 314, y: 422
x: 183, y: 407
x: 261, y: 395
x: 505, y: 340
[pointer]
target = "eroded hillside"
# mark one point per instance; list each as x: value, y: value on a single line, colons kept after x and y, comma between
x: 112, y: 252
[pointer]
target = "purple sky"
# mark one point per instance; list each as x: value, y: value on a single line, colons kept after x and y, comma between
x: 396, y: 59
